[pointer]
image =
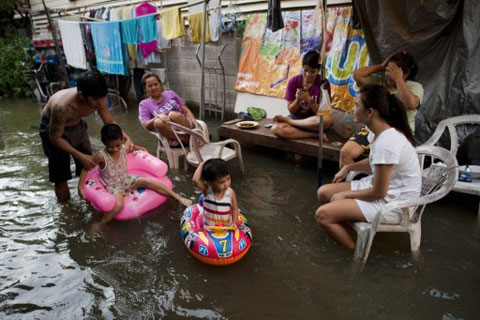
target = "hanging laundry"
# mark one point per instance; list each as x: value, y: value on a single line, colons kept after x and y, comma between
x: 148, y: 28
x: 274, y: 15
x: 162, y: 43
x: 195, y: 26
x: 109, y: 49
x: 214, y: 19
x: 172, y: 26
x: 142, y: 30
x: 72, y: 41
x: 116, y: 14
x: 153, y: 58
x: 130, y: 30
x: 88, y: 37
x: 132, y: 48
x: 148, y: 34
x: 145, y: 8
x: 106, y: 14
x: 214, y: 12
x: 99, y: 13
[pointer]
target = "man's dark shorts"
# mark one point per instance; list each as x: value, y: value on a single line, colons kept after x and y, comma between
x: 59, y: 160
x: 361, y: 137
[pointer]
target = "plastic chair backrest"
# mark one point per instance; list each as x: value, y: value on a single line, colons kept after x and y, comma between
x: 451, y: 124
x: 438, y: 177
x: 197, y: 138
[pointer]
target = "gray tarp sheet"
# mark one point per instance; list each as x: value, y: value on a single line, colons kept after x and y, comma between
x: 443, y: 36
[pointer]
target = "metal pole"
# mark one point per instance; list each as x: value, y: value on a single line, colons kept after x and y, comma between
x: 320, y: 125
x: 202, y: 85
x: 320, y: 153
x: 57, y: 47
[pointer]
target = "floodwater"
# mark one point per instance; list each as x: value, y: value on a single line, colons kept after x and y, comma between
x: 51, y: 269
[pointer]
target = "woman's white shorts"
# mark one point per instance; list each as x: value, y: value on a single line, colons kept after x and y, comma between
x: 370, y: 208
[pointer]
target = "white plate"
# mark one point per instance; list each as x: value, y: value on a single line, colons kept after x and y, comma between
x: 247, y: 124
x: 474, y: 171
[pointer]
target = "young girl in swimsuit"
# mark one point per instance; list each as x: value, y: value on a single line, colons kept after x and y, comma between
x: 212, y: 177
x: 112, y: 160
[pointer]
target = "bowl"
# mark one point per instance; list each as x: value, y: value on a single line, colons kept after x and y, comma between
x: 474, y: 171
x: 247, y: 124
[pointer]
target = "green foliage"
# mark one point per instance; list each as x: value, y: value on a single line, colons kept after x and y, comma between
x: 6, y: 5
x: 14, y: 62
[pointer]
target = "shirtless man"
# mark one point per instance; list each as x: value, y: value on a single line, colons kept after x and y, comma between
x: 64, y: 132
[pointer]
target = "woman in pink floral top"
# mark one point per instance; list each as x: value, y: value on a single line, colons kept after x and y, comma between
x: 162, y: 106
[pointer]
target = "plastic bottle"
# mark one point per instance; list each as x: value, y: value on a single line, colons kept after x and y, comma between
x: 348, y: 126
x: 466, y: 176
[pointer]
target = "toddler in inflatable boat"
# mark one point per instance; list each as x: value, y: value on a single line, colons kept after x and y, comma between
x: 114, y: 175
x: 214, y: 231
x: 219, y: 200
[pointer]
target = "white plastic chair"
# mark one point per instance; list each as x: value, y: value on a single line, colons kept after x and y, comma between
x: 173, y: 154
x: 450, y: 124
x: 437, y: 181
x: 201, y: 149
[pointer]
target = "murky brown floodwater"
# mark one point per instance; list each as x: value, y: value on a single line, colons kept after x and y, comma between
x: 51, y: 269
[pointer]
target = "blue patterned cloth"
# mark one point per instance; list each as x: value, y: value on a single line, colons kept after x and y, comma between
x: 145, y: 25
x: 130, y: 31
x: 148, y: 28
x: 109, y: 48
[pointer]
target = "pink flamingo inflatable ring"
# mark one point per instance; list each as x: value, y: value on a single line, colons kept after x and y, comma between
x: 137, y: 202
x: 214, y: 245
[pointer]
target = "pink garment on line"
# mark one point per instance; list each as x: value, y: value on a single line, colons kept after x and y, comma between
x: 143, y: 9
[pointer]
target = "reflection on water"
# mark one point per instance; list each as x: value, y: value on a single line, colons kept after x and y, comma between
x: 51, y: 269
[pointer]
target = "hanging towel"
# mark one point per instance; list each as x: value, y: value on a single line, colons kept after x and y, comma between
x: 142, y: 30
x: 132, y: 48
x: 116, y: 14
x: 109, y: 49
x: 214, y: 19
x: 172, y: 26
x: 72, y: 41
x: 213, y: 16
x: 148, y: 34
x: 195, y: 26
x: 274, y: 15
x: 162, y: 43
x: 148, y: 28
x: 130, y: 31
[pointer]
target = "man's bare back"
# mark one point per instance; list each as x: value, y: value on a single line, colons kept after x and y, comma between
x: 63, y: 134
x: 67, y: 106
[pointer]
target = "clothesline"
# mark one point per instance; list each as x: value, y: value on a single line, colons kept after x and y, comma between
x: 115, y: 5
x: 100, y: 20
x: 110, y: 58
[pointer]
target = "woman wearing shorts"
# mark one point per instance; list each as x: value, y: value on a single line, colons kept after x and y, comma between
x: 393, y: 163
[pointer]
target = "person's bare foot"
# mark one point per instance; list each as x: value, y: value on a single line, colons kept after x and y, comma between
x: 280, y: 118
x: 95, y: 229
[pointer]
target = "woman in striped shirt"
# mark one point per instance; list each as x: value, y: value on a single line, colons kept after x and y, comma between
x: 220, y: 208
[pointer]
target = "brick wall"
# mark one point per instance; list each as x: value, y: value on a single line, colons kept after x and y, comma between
x: 184, y: 72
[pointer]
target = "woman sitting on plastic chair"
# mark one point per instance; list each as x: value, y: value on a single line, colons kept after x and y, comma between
x: 393, y: 162
x: 162, y: 106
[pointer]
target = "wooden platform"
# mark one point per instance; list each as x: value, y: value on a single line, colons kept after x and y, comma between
x: 264, y: 137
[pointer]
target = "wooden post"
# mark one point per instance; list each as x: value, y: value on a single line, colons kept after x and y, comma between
x: 57, y: 47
